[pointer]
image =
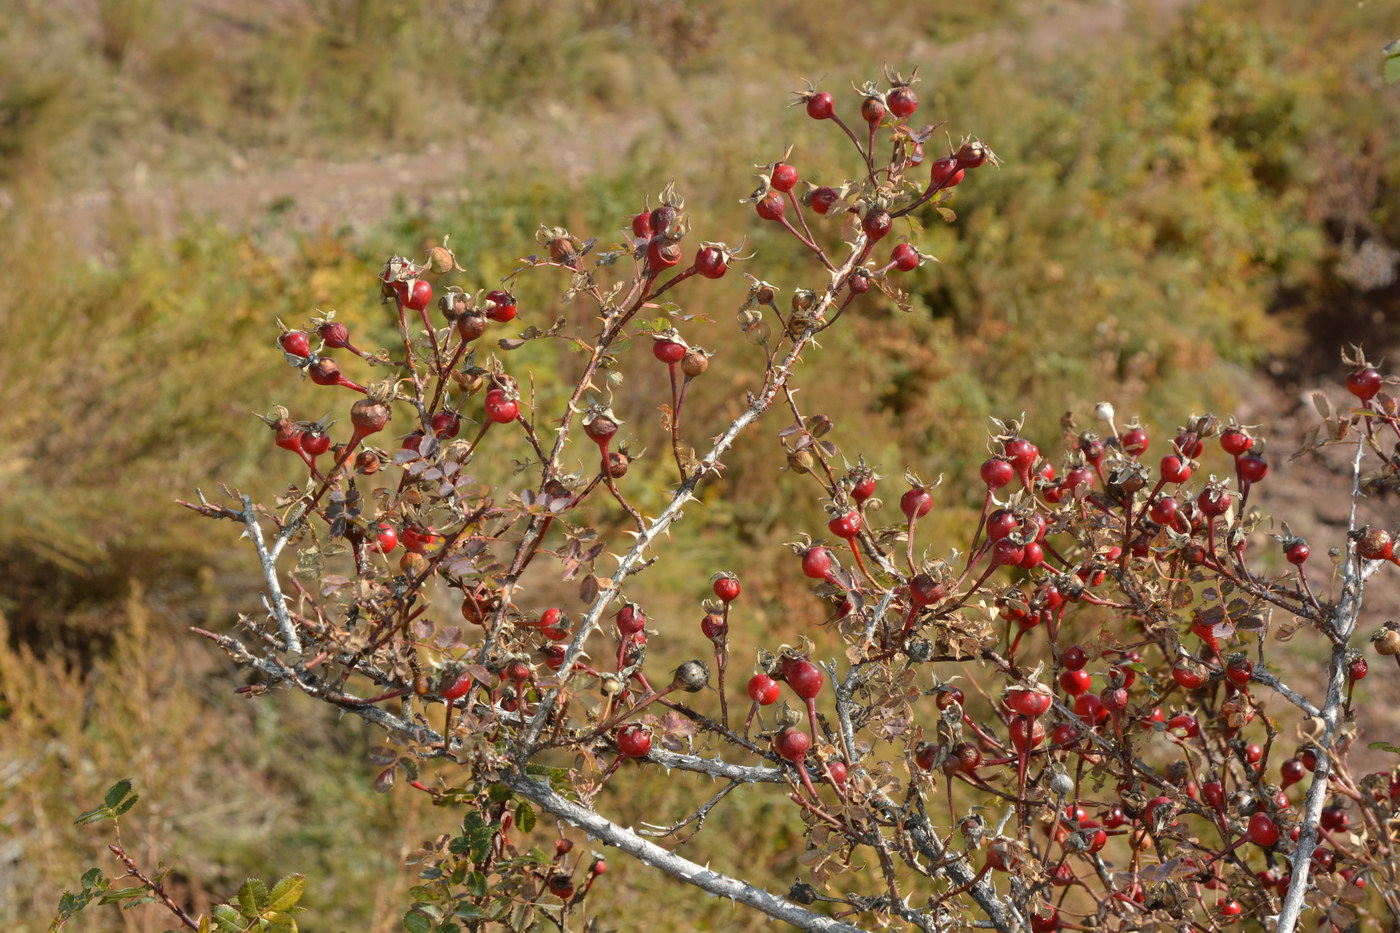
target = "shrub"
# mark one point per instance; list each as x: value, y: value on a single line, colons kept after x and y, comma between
x: 1087, y: 684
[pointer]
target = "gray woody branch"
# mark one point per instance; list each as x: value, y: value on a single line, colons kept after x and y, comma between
x: 712, y: 882
x: 1343, y: 621
x: 273, y: 599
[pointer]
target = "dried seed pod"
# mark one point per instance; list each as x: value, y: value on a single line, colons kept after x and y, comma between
x: 692, y: 676
x: 695, y: 362
x: 442, y: 260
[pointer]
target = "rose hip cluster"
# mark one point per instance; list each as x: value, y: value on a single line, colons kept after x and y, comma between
x: 1130, y: 591
x: 883, y: 196
x: 405, y: 284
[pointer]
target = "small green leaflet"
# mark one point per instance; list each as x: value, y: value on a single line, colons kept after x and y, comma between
x: 252, y: 898
x: 287, y: 892
x: 525, y: 817
x: 416, y: 921
x: 1392, y: 61
x: 114, y: 804
x: 478, y: 836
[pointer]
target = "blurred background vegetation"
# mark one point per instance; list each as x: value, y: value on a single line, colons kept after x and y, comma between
x: 1196, y: 199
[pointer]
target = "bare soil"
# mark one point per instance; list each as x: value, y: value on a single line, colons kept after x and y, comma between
x: 313, y: 194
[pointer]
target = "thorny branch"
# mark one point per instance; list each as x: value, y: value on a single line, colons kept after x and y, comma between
x: 682, y: 869
x: 153, y: 886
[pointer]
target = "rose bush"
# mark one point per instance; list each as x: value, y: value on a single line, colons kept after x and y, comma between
x: 1074, y: 717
